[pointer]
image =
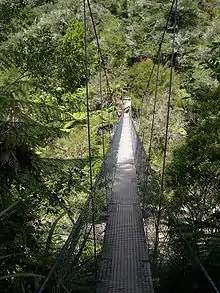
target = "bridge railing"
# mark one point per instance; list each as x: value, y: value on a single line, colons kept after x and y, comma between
x: 72, y: 263
x: 140, y: 157
x: 148, y: 187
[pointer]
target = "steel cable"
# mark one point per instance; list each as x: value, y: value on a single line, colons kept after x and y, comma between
x: 153, y: 67
x: 166, y: 140
x: 89, y: 133
x: 102, y: 62
x: 99, y: 48
x: 154, y: 111
x: 162, y: 197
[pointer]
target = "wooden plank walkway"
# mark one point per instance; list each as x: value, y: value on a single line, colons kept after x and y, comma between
x: 124, y: 266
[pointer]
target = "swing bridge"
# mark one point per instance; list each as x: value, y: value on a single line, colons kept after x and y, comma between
x: 111, y: 221
x: 122, y: 263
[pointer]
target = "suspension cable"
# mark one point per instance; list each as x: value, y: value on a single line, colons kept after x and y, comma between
x: 102, y: 118
x: 89, y: 135
x: 154, y: 110
x: 102, y: 65
x: 161, y: 41
x: 102, y: 61
x: 157, y: 59
x: 99, y: 48
x: 166, y: 136
x: 102, y: 58
x: 162, y: 197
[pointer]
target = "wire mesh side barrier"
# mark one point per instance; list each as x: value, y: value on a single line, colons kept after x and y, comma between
x: 141, y: 162
x: 148, y: 187
x: 70, y: 264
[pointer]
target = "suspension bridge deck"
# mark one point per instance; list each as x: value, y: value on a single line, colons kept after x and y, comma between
x: 124, y: 266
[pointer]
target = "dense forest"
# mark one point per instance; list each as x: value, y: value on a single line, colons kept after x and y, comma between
x: 43, y: 146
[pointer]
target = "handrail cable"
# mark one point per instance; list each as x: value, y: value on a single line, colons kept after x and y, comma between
x: 89, y: 133
x: 60, y: 256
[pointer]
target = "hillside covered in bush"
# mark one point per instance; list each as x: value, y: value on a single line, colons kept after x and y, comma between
x: 43, y: 135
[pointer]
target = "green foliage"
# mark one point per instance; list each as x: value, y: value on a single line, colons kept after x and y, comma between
x: 43, y: 144
x: 193, y: 173
x: 115, y: 48
x: 42, y: 190
x: 138, y: 74
x: 72, y: 56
